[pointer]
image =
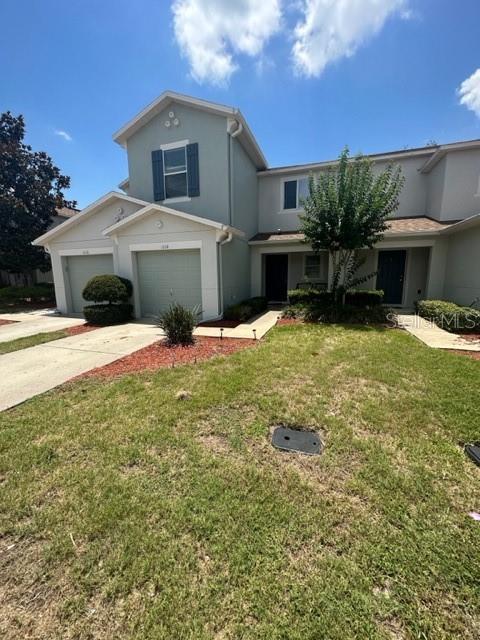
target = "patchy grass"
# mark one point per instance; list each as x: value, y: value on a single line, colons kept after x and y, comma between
x: 31, y: 341
x: 126, y: 512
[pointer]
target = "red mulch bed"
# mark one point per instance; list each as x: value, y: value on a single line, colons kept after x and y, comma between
x: 470, y: 336
x: 475, y: 355
x: 159, y: 355
x: 81, y: 328
x: 286, y: 321
x: 2, y: 322
x: 226, y: 324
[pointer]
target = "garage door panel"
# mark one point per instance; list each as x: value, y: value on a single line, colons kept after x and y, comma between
x: 168, y: 276
x: 80, y: 269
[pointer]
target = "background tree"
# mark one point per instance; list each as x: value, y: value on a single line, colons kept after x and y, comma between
x: 31, y: 189
x: 346, y: 211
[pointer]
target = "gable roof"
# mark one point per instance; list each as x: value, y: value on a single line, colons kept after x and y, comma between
x: 152, y: 208
x: 246, y: 136
x: 82, y: 215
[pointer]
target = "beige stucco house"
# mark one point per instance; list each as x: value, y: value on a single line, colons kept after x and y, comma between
x: 202, y: 219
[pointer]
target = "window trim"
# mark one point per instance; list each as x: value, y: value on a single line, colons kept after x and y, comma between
x: 170, y: 146
x: 298, y: 208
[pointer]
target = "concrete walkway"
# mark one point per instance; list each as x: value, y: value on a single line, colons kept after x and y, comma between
x: 256, y: 328
x: 28, y: 372
x: 428, y: 332
x: 28, y: 324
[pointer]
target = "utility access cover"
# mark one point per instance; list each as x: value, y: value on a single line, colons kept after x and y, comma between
x: 297, y: 440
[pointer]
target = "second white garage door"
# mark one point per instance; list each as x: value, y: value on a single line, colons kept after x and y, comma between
x: 168, y: 276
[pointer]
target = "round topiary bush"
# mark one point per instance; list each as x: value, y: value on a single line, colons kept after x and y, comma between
x: 106, y: 314
x: 107, y: 288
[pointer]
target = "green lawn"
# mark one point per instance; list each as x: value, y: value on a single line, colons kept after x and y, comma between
x: 137, y: 515
x: 31, y: 341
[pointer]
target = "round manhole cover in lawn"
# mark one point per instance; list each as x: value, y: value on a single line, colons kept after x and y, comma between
x: 296, y: 439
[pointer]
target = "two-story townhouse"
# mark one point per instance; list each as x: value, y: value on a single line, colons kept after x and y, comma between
x: 204, y: 221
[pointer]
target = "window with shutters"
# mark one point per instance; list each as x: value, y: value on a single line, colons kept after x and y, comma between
x: 175, y: 173
x: 294, y: 192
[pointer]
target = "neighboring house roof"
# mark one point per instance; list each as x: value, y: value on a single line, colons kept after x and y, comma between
x: 82, y: 215
x: 246, y: 137
x: 67, y: 212
x: 61, y: 215
x: 156, y: 208
x: 397, y: 226
x: 434, y: 152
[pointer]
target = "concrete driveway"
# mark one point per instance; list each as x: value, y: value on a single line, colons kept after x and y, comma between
x: 28, y: 324
x: 28, y: 372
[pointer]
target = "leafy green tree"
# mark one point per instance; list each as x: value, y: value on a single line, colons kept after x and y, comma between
x: 31, y: 189
x: 346, y: 210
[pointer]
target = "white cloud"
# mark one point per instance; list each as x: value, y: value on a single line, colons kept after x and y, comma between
x: 332, y: 29
x: 63, y: 134
x: 211, y: 32
x: 469, y: 92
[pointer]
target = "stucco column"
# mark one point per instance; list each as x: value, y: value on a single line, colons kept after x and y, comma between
x: 59, y: 269
x: 436, y: 269
x: 255, y: 271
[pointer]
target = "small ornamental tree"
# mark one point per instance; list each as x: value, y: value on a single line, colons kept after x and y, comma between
x: 346, y: 210
x: 111, y: 293
x: 31, y: 190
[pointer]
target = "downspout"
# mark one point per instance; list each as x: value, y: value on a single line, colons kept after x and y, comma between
x: 228, y: 238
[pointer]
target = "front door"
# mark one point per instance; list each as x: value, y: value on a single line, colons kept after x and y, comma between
x: 391, y: 274
x: 276, y: 277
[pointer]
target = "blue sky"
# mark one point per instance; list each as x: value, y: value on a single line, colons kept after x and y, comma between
x: 309, y: 75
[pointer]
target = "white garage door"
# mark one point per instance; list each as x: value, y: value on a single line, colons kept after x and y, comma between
x: 168, y: 276
x: 80, y: 269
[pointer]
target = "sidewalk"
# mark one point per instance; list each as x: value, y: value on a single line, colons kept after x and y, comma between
x: 433, y: 336
x: 256, y: 328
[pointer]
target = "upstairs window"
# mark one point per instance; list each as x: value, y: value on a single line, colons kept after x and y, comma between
x: 294, y: 192
x: 175, y: 173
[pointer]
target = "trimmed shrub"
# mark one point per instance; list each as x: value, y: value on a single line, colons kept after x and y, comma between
x: 364, y: 297
x: 178, y: 323
x: 449, y: 316
x: 297, y: 310
x: 258, y: 304
x: 35, y: 293
x: 321, y: 313
x: 106, y: 314
x: 107, y: 288
x: 243, y: 311
x: 305, y: 295
x: 239, y: 312
x: 354, y: 297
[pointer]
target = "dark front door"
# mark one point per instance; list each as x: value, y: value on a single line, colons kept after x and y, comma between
x: 391, y: 274
x: 276, y: 277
